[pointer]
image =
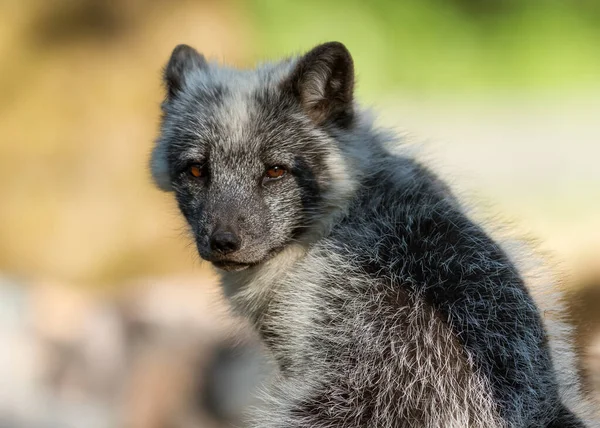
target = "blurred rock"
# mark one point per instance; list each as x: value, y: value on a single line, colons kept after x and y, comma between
x: 230, y: 380
x: 584, y: 308
x: 593, y: 362
x: 162, y: 354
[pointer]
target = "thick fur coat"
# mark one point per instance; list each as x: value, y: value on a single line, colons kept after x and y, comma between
x: 381, y: 301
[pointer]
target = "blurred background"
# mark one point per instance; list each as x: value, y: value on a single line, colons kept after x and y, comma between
x: 107, y: 317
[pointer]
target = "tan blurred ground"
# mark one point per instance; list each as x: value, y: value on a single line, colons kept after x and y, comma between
x: 80, y: 83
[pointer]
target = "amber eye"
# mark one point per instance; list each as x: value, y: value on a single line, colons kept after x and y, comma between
x: 197, y: 170
x: 275, y: 172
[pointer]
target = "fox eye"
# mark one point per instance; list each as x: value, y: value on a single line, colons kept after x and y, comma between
x: 275, y: 172
x: 197, y: 170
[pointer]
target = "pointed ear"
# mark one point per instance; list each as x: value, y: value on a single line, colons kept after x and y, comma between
x: 183, y: 61
x: 323, y: 82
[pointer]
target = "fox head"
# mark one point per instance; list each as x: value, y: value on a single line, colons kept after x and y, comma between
x: 254, y: 157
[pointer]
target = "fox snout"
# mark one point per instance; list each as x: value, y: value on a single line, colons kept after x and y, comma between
x: 224, y: 240
x: 226, y: 246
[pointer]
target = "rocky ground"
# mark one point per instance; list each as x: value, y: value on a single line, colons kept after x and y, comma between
x: 163, y: 355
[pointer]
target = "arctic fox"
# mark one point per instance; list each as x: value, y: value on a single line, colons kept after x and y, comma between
x: 381, y: 302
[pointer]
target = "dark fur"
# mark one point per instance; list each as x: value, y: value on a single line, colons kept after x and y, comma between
x: 382, y: 302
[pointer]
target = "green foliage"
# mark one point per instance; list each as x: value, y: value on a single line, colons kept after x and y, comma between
x: 444, y: 45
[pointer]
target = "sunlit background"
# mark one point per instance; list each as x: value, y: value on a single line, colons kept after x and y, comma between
x: 105, y: 309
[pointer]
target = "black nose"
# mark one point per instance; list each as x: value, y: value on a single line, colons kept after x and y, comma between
x: 224, y: 242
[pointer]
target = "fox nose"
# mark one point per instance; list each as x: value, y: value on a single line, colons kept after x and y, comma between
x: 224, y: 241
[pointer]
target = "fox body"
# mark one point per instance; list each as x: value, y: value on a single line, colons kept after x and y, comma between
x: 381, y: 302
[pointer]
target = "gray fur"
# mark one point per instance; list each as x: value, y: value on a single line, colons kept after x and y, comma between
x: 382, y: 303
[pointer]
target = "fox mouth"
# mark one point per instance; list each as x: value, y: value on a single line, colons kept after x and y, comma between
x: 229, y: 266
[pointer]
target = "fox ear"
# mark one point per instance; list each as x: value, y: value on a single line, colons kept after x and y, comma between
x: 323, y: 82
x: 184, y: 60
